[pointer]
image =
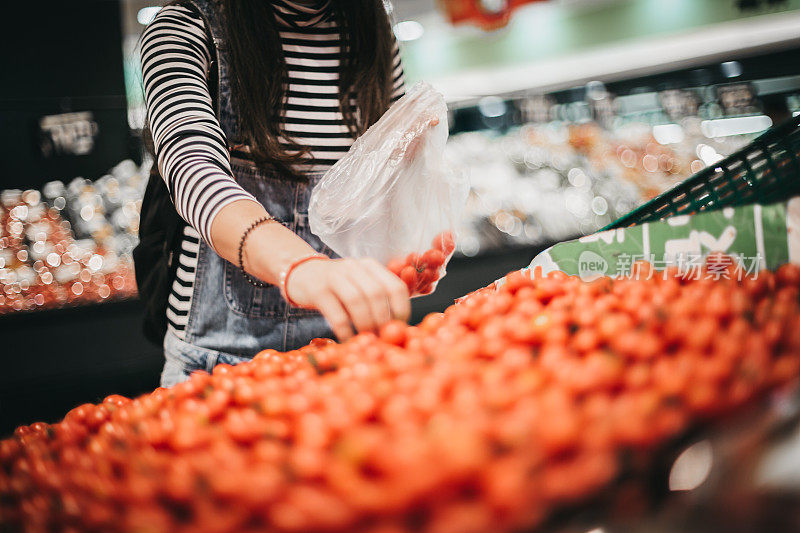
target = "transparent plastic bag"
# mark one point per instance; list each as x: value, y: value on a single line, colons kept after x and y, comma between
x: 393, y: 197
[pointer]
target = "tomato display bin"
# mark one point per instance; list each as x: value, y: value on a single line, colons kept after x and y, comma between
x: 476, y: 450
x: 737, y: 475
x: 765, y: 171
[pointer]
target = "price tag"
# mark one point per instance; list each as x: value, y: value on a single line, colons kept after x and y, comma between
x: 678, y: 103
x: 537, y: 108
x: 604, y: 110
x: 737, y: 98
x: 487, y: 14
x: 68, y: 134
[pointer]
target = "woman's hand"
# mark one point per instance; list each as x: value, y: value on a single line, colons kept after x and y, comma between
x: 360, y: 292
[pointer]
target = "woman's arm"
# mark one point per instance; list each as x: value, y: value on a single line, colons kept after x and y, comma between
x: 190, y: 146
x: 360, y: 292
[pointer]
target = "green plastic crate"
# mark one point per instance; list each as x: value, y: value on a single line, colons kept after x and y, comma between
x: 765, y: 171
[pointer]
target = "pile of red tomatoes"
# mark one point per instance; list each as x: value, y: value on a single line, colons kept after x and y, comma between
x: 421, y: 271
x: 485, y: 418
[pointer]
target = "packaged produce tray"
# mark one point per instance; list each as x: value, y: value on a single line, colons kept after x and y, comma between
x: 765, y: 171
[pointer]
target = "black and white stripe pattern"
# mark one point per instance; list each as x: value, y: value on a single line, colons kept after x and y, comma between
x: 191, y: 148
x: 181, y: 297
x: 299, y: 15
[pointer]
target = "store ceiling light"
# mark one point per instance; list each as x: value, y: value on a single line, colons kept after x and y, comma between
x: 408, y: 30
x: 668, y: 133
x: 724, y: 127
x: 731, y: 69
x: 492, y: 106
x: 146, y: 15
x: 596, y: 90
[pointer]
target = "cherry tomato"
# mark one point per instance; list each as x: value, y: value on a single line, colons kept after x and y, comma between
x: 395, y: 266
x: 393, y: 332
x: 409, y: 277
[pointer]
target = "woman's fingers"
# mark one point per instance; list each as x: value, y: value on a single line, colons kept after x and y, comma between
x: 333, y: 311
x: 373, y: 290
x: 396, y: 290
x: 355, y: 292
x: 353, y: 301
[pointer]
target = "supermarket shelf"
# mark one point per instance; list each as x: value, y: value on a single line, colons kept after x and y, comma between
x: 626, y: 60
x: 21, y: 317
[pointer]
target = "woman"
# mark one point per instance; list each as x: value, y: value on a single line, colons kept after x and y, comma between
x: 294, y: 82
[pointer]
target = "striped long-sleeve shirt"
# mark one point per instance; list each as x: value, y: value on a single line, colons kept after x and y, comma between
x: 191, y: 149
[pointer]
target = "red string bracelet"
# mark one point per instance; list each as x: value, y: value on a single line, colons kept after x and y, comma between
x: 284, y: 277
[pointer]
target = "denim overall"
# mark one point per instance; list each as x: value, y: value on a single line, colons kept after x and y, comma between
x: 230, y: 320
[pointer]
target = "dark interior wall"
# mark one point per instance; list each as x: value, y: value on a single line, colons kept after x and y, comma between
x: 60, y: 57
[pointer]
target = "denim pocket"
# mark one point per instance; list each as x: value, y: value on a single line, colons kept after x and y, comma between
x: 248, y: 300
x: 181, y: 359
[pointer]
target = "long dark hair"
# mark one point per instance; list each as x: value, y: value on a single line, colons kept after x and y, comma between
x: 259, y: 76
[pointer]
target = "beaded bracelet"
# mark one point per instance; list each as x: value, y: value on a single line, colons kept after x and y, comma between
x: 250, y: 279
x: 284, y: 276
